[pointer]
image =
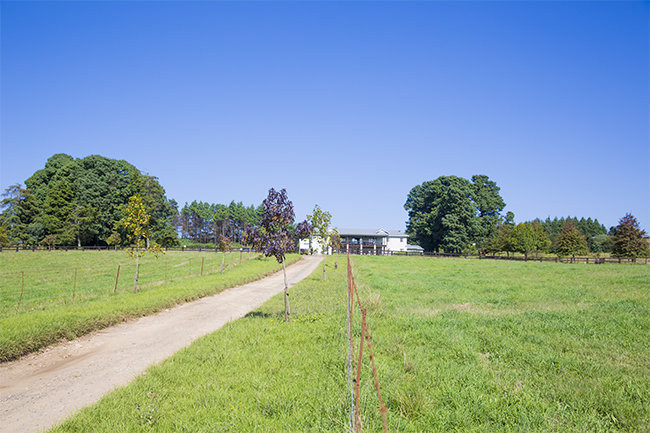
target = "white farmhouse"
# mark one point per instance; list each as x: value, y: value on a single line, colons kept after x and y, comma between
x: 363, y: 241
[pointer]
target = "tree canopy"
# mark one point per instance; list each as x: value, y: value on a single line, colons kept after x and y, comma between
x: 204, y: 222
x: 80, y: 201
x: 451, y: 212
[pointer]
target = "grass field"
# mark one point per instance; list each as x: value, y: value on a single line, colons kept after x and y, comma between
x: 49, y: 312
x: 469, y: 346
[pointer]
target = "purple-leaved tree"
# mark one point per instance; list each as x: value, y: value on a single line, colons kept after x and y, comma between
x: 275, y: 237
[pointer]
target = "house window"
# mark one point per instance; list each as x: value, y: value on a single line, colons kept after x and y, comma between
x: 401, y: 239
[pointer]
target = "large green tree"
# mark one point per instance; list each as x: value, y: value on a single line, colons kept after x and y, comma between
x: 451, y: 212
x: 489, y: 205
x: 81, y: 200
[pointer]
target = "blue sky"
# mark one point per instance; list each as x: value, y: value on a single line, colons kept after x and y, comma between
x: 345, y: 104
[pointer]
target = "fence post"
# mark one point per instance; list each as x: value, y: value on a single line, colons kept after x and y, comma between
x: 117, y: 277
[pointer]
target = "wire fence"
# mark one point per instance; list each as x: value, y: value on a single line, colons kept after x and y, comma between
x: 354, y: 377
x: 18, y: 248
x: 38, y: 285
x: 530, y: 258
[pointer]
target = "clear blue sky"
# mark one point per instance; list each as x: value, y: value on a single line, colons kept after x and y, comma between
x: 348, y: 105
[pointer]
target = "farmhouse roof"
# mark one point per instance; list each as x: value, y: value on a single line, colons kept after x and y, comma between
x: 371, y: 232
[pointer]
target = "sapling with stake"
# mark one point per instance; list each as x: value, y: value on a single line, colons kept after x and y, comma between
x: 274, y: 236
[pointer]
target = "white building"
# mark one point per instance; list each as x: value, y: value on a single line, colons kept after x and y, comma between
x: 363, y: 241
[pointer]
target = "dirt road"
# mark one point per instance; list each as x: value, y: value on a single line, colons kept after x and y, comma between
x: 40, y: 390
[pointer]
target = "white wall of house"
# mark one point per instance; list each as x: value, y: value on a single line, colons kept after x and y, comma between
x: 316, y: 245
x: 396, y: 243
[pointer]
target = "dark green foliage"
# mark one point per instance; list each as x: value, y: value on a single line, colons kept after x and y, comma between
x: 451, y: 212
x: 204, y: 222
x: 630, y: 240
x: 588, y: 227
x: 499, y: 241
x: 571, y: 241
x: 489, y: 204
x: 602, y: 243
x: 80, y: 201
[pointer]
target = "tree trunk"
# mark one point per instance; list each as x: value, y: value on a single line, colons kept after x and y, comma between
x: 287, y: 306
x: 223, y: 259
x: 135, y: 279
x: 78, y: 241
x: 147, y: 242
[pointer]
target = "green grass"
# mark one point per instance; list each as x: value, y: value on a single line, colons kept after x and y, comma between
x: 469, y: 346
x: 48, y: 313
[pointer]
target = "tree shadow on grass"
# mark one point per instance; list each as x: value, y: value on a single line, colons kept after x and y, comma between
x: 260, y: 314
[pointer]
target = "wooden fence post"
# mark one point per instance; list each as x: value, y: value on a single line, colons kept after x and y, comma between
x: 117, y: 278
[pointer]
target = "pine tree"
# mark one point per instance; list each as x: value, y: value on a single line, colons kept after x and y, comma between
x: 629, y: 240
x: 570, y: 241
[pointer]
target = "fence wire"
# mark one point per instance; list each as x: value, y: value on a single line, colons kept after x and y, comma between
x: 354, y: 378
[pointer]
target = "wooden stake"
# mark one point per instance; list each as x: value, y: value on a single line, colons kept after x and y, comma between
x: 22, y: 289
x: 117, y: 278
x: 202, y: 261
x: 74, y: 288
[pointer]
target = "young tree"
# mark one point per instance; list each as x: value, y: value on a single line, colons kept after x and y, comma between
x: 113, y: 239
x: 320, y: 222
x: 224, y: 245
x: 499, y: 241
x: 528, y: 237
x: 570, y: 241
x: 136, y: 224
x: 335, y: 243
x: 275, y: 236
x: 49, y: 240
x: 629, y: 239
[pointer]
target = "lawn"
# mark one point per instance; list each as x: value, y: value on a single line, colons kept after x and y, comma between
x: 52, y: 307
x: 460, y: 345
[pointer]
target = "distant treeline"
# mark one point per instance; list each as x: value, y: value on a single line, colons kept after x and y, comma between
x: 81, y: 202
x: 204, y: 222
x: 458, y: 215
x: 594, y: 232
